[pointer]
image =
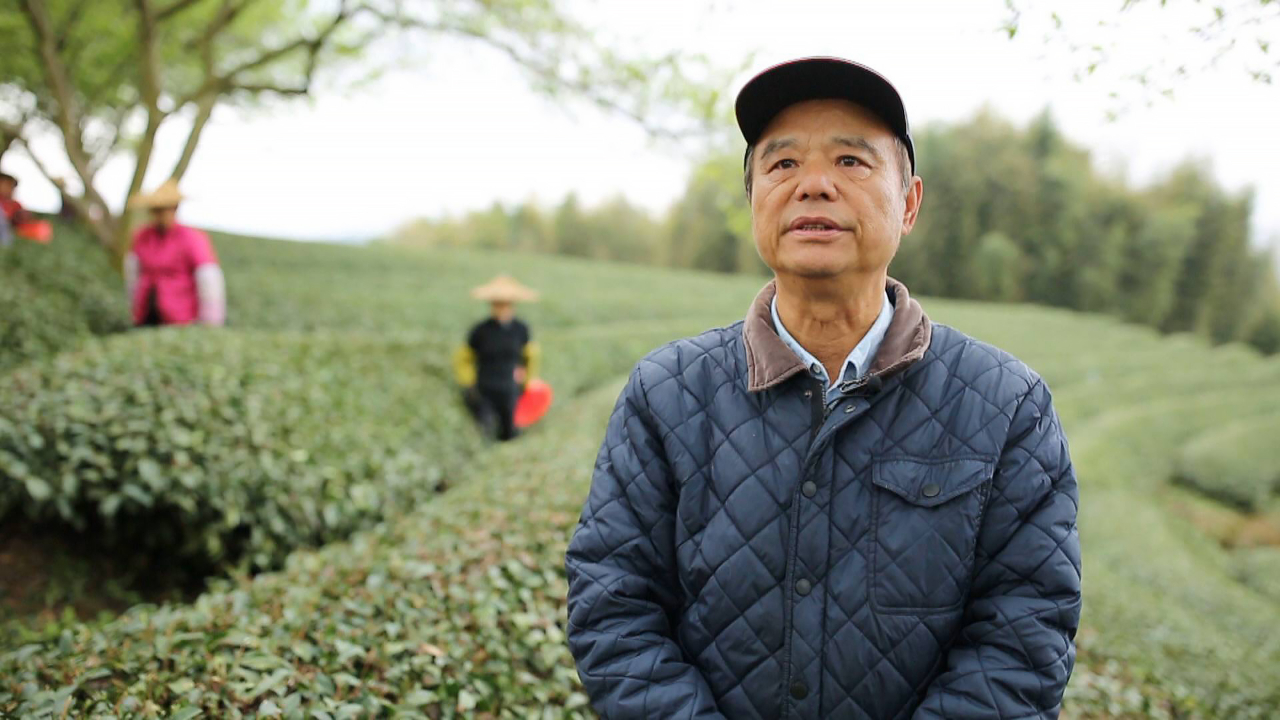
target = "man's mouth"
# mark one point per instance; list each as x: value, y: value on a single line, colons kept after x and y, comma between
x: 814, y: 227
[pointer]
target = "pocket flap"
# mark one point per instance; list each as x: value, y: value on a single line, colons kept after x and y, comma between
x: 927, y: 482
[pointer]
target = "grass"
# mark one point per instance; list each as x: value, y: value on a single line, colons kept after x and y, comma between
x: 455, y: 608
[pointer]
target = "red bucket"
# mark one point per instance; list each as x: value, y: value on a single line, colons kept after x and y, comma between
x: 533, y: 404
x: 37, y: 231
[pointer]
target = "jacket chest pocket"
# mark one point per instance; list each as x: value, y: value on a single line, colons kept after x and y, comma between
x: 926, y: 518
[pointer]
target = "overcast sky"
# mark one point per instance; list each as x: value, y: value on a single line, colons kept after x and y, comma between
x: 463, y: 130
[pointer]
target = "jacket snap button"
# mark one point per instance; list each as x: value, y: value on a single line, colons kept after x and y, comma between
x: 798, y: 690
x: 803, y: 587
x: 848, y: 408
x: 931, y: 490
x: 809, y: 488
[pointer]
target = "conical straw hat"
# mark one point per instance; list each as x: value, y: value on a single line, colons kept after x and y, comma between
x: 504, y: 288
x: 165, y: 196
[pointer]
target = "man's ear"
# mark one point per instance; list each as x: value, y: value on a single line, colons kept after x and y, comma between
x: 911, y: 208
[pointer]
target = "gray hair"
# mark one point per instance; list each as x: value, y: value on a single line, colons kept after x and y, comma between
x: 904, y: 165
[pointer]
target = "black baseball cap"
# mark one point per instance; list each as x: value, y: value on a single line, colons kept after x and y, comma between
x: 813, y: 78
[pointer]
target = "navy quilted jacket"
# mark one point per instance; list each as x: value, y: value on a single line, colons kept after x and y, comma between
x: 748, y: 552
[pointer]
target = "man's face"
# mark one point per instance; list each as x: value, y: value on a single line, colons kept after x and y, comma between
x: 827, y: 197
x: 6, y: 188
x: 503, y: 312
x: 164, y: 218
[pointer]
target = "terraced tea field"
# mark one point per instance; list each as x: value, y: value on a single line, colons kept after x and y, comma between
x: 454, y: 607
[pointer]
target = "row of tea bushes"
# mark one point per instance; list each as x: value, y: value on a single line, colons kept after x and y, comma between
x: 220, y: 446
x: 1238, y: 464
x: 54, y: 296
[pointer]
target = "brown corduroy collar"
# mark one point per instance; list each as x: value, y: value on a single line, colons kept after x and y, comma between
x: 770, y: 361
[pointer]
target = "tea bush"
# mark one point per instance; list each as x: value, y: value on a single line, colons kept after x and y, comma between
x: 1238, y: 464
x: 454, y: 611
x: 212, y: 444
x: 54, y: 296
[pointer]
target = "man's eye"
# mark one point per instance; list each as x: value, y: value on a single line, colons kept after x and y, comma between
x: 784, y: 164
x: 849, y: 161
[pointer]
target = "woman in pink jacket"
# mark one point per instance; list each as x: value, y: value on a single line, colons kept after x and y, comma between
x: 172, y: 275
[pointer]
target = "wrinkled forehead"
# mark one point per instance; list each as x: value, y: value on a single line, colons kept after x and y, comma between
x: 825, y: 119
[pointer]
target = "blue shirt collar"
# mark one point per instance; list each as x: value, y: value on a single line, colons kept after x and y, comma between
x: 859, y: 360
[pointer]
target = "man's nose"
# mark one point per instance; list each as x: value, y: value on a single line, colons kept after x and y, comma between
x: 815, y: 184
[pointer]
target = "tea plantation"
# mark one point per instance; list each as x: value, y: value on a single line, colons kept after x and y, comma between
x: 314, y: 434
x: 53, y: 295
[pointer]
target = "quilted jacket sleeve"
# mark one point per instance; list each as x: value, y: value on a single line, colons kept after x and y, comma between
x: 1016, y: 650
x: 623, y: 590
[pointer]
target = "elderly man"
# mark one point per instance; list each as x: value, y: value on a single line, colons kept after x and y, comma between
x: 834, y: 509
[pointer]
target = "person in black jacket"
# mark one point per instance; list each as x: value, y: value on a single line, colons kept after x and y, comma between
x: 498, y: 359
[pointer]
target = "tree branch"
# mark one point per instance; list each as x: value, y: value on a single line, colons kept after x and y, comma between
x: 226, y: 15
x: 103, y: 226
x: 211, y: 83
x: 10, y: 132
x: 204, y: 110
x: 102, y: 150
x: 55, y: 72
x: 94, y: 96
x: 550, y: 75
x: 175, y: 8
x: 313, y: 45
x: 532, y: 63
x: 73, y: 16
x: 149, y: 57
x: 277, y: 89
x: 68, y: 116
x: 216, y: 84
